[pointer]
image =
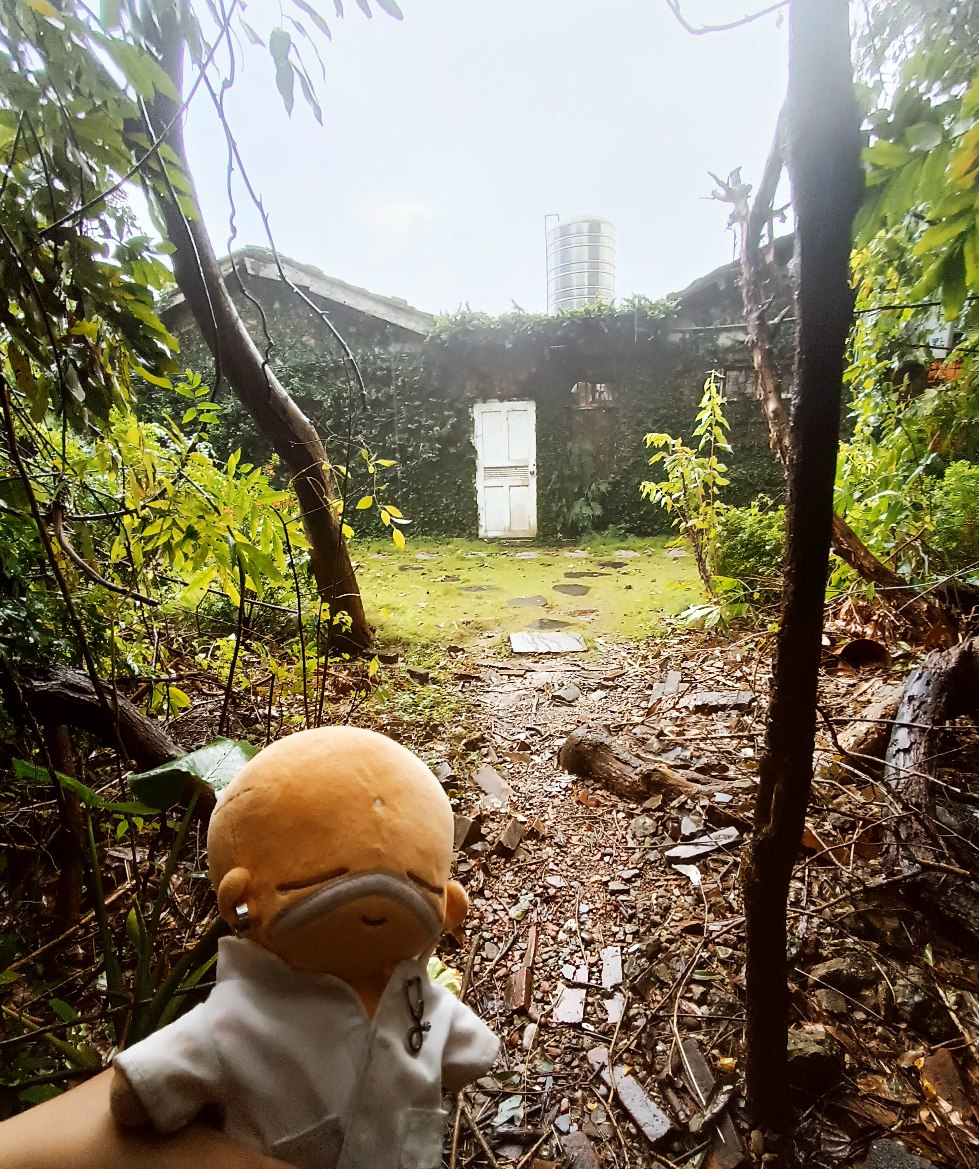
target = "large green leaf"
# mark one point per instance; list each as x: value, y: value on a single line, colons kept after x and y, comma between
x: 31, y: 773
x: 211, y: 768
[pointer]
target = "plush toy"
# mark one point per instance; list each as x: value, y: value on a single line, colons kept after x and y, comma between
x: 324, y: 1043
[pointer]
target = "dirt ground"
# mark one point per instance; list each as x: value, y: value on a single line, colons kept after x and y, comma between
x: 593, y: 944
x: 605, y: 942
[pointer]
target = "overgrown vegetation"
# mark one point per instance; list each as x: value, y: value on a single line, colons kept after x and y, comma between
x: 144, y: 558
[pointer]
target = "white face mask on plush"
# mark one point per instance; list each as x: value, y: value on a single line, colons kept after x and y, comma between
x: 343, y: 890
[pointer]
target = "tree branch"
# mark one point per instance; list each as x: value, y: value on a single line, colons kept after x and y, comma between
x: 700, y: 30
x: 58, y: 526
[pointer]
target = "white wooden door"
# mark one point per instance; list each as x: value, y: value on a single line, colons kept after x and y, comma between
x: 506, y: 468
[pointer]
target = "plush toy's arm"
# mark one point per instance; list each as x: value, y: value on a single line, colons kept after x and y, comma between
x: 77, y: 1131
x: 470, y: 1051
x: 167, y: 1078
x: 123, y: 1101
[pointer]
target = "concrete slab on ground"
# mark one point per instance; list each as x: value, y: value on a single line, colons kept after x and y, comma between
x: 547, y: 643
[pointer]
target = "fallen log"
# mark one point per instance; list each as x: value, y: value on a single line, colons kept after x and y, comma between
x: 925, y: 842
x: 596, y: 757
x: 867, y: 737
x: 55, y: 695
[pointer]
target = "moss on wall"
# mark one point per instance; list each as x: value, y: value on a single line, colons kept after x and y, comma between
x: 420, y: 395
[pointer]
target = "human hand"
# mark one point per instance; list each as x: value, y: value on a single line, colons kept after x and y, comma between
x: 77, y: 1131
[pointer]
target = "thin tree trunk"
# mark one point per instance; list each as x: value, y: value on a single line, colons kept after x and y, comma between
x: 750, y: 217
x: 825, y: 171
x: 289, y: 431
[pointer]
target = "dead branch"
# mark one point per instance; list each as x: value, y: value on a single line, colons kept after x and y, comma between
x: 55, y: 695
x: 932, y: 837
x: 596, y: 757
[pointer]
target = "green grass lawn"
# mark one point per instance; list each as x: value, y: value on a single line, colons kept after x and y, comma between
x: 453, y: 592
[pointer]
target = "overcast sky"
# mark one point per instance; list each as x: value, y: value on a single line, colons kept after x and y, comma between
x: 448, y: 136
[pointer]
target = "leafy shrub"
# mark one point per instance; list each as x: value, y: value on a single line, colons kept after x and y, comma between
x: 750, y: 543
x: 689, y: 493
x: 955, y: 503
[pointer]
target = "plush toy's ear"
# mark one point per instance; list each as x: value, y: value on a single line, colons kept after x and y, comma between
x: 232, y: 892
x: 456, y: 905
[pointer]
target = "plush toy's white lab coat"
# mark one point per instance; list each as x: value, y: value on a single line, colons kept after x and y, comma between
x: 302, y: 1072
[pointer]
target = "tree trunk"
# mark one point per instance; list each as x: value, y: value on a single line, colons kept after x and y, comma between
x: 288, y: 430
x: 57, y: 695
x: 750, y: 218
x: 825, y: 170
x: 67, y: 846
x: 931, y: 844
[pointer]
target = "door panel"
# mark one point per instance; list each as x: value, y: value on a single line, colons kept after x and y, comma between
x: 506, y: 468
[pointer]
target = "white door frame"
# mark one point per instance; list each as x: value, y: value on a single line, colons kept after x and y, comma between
x: 515, y: 473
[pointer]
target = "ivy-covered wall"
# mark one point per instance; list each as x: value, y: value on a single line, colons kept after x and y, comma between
x: 652, y: 356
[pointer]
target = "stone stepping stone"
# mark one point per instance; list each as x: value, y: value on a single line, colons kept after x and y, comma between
x: 425, y: 556
x: 538, y: 602
x: 480, y: 588
x: 572, y: 590
x: 547, y: 643
x: 526, y: 555
x: 409, y: 568
x: 620, y: 565
x: 546, y: 624
x: 582, y: 575
x: 448, y: 579
x: 625, y: 554
x: 577, y: 554
x: 677, y: 554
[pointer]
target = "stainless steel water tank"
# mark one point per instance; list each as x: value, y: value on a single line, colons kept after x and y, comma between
x: 580, y: 263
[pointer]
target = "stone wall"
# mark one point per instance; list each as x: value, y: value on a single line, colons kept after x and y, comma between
x: 650, y: 359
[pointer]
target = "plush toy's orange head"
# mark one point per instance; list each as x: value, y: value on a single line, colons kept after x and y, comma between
x: 338, y: 843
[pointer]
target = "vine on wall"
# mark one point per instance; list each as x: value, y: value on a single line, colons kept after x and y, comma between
x: 420, y: 394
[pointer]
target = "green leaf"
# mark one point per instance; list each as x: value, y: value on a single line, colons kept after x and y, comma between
x: 886, y: 154
x: 142, y: 72
x: 280, y: 45
x: 310, y: 97
x: 365, y: 502
x: 42, y: 7
x: 939, y: 235
x: 315, y: 17
x: 391, y: 9
x: 31, y: 773
x: 177, y: 698
x: 285, y: 83
x: 365, y: 8
x: 39, y: 1093
x: 954, y: 289
x: 154, y: 379
x: 213, y: 767
x: 63, y: 1010
x: 252, y: 34
x: 923, y: 136
x: 970, y: 255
